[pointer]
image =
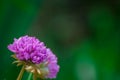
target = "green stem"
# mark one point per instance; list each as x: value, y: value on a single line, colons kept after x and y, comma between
x: 34, y: 77
x: 21, y: 73
x: 29, y: 77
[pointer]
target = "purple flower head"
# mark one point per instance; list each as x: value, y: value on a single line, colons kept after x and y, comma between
x: 28, y: 49
x: 40, y: 60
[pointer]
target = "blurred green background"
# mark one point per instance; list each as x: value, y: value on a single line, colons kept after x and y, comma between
x: 84, y: 34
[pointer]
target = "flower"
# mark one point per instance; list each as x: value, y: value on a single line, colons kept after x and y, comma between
x: 35, y: 57
x: 28, y: 49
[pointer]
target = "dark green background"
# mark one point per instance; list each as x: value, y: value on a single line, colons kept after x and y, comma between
x: 84, y: 35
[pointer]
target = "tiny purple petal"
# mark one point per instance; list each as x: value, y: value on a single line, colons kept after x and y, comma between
x: 53, y: 70
x: 37, y: 57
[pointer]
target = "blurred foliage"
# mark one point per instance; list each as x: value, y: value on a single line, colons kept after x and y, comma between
x: 15, y: 18
x: 83, y: 34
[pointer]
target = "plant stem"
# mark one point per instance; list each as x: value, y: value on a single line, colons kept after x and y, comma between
x: 29, y: 77
x: 21, y: 73
x: 34, y: 77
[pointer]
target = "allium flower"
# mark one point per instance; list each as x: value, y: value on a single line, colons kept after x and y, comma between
x: 35, y: 57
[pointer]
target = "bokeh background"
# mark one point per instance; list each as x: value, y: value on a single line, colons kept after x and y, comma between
x: 84, y: 34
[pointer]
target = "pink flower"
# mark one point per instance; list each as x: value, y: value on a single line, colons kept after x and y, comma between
x: 30, y: 49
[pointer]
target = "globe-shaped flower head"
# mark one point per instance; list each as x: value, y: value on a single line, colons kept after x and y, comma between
x: 39, y: 60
